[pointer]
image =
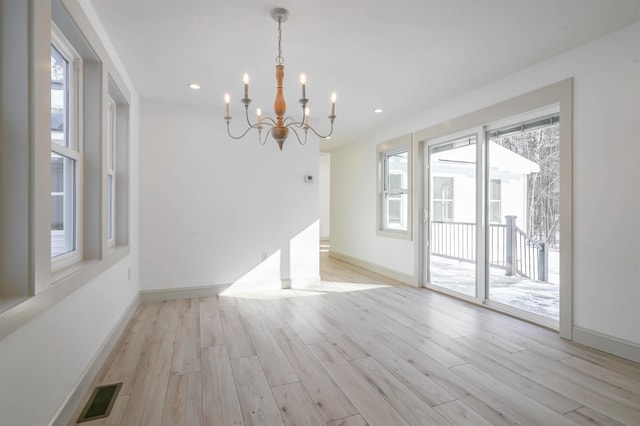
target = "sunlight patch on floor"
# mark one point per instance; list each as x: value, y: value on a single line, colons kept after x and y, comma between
x: 269, y: 291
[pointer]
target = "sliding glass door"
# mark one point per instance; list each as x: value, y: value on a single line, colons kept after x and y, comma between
x: 492, y: 203
x: 523, y: 164
x: 452, y: 218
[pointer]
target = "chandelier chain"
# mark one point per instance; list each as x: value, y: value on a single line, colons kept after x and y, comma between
x: 279, y: 59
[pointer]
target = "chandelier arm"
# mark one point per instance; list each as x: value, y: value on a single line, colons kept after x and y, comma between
x: 269, y: 119
x: 292, y: 121
x: 255, y: 126
x: 322, y: 136
x: 242, y: 135
x: 266, y: 136
x: 296, y: 124
x: 246, y: 113
x: 295, y: 132
x: 304, y: 107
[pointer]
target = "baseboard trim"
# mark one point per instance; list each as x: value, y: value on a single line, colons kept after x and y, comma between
x: 182, y: 293
x: 79, y: 391
x: 613, y: 345
x: 390, y: 273
x: 214, y: 290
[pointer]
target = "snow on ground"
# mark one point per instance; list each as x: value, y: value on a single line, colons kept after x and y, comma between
x: 533, y: 296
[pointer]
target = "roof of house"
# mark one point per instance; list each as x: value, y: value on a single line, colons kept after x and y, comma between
x: 500, y: 158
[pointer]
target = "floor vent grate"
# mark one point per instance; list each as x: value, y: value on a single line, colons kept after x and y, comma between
x: 100, y: 403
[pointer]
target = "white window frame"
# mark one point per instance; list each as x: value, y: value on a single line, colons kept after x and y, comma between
x: 384, y: 151
x: 390, y: 194
x: 111, y: 171
x: 74, y: 150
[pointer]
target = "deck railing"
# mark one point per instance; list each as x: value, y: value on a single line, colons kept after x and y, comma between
x: 510, y: 248
x: 455, y: 240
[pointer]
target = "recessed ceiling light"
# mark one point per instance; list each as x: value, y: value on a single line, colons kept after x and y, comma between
x: 328, y: 137
x: 378, y: 110
x: 194, y: 86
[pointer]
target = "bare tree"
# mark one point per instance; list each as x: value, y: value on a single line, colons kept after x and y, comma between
x: 542, y: 146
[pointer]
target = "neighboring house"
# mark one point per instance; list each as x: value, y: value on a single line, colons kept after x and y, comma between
x: 453, y: 217
x: 453, y: 184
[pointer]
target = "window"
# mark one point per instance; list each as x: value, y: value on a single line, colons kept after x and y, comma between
x: 116, y: 149
x: 395, y: 190
x: 442, y: 199
x: 495, y: 197
x: 111, y: 172
x: 66, y: 158
x: 54, y: 147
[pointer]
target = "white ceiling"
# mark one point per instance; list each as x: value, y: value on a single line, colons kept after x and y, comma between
x: 398, y: 55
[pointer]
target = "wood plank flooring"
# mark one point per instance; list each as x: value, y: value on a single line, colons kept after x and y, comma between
x: 358, y: 349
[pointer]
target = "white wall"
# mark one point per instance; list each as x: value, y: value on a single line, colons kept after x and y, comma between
x: 325, y: 195
x: 42, y: 362
x: 46, y: 355
x: 211, y: 207
x: 606, y: 194
x: 353, y: 209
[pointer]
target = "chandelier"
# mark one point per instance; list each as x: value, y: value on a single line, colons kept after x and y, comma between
x: 280, y: 126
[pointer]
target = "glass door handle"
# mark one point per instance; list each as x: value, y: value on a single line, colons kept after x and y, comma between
x: 426, y: 216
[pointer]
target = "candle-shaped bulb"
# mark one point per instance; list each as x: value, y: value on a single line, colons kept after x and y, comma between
x: 333, y: 104
x: 259, y: 114
x: 303, y: 81
x: 245, y: 80
x: 306, y: 116
x: 227, y: 101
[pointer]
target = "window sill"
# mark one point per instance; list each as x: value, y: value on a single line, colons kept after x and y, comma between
x: 59, y: 275
x: 64, y: 282
x: 399, y: 235
x: 7, y: 303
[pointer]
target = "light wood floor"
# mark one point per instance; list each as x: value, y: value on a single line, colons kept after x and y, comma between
x: 357, y: 350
